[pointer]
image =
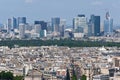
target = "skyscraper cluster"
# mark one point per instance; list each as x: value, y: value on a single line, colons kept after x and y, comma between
x: 93, y: 26
x: 19, y: 28
x: 82, y: 27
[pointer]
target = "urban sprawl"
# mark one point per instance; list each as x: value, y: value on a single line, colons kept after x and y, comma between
x: 57, y: 62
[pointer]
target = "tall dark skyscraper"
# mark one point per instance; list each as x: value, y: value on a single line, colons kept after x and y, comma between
x: 21, y: 20
x: 14, y: 23
x: 42, y: 23
x: 95, y: 25
x: 55, y: 24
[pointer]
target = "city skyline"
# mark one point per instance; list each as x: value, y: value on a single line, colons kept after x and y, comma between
x: 46, y: 9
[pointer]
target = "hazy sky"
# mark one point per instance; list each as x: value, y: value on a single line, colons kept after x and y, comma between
x: 66, y: 9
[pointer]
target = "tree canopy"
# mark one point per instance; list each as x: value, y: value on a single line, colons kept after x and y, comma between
x: 9, y: 76
x: 62, y: 42
x: 83, y: 77
x: 6, y: 75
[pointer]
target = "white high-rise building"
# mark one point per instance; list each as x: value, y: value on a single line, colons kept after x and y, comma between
x: 45, y: 33
x: 21, y: 31
x: 80, y: 24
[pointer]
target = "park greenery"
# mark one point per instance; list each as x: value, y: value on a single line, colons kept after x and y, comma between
x: 9, y: 76
x: 74, y: 77
x: 83, y: 77
x: 62, y: 42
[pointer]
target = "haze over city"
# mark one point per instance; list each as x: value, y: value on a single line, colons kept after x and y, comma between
x: 67, y: 9
x: 59, y: 40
